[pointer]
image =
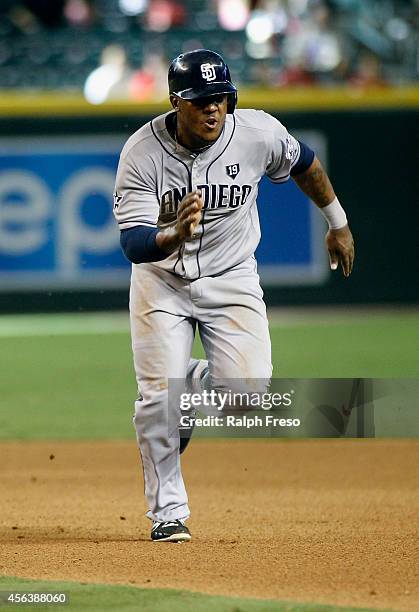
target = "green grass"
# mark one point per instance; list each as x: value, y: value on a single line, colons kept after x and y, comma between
x: 95, y: 597
x: 385, y: 348
x: 69, y: 377
x: 67, y: 387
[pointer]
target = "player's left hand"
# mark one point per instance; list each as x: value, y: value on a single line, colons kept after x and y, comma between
x: 340, y: 246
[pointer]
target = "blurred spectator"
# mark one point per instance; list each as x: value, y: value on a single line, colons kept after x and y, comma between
x: 233, y: 14
x: 79, y: 13
x: 150, y: 82
x: 114, y: 79
x: 295, y: 73
x: 164, y: 14
x: 111, y: 79
x: 367, y: 72
x: 22, y: 18
x: 313, y: 49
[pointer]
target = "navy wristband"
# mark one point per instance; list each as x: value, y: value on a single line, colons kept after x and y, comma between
x: 139, y: 244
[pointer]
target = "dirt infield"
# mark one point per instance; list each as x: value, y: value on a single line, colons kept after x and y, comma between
x: 333, y: 521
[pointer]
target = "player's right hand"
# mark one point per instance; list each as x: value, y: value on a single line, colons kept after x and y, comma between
x: 189, y: 214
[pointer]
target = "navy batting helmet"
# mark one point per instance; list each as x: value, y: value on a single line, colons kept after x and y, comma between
x: 199, y: 74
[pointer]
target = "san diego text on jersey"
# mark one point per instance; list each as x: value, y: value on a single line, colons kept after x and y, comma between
x: 214, y: 196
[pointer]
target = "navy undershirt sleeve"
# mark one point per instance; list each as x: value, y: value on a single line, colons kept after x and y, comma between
x: 139, y: 244
x: 304, y: 161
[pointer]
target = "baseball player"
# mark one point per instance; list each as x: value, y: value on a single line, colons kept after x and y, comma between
x: 185, y: 202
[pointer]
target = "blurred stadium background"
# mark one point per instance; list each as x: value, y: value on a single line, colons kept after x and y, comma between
x: 57, y: 44
x: 78, y: 76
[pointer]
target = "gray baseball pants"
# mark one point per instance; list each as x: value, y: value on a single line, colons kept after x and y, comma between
x: 165, y: 311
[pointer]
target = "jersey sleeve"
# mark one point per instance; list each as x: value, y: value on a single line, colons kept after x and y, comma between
x: 135, y: 197
x: 284, y: 154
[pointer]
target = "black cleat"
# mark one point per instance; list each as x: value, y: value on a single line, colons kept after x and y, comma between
x: 170, y: 531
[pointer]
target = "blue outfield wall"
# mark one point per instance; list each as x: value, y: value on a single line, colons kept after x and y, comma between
x: 59, y: 245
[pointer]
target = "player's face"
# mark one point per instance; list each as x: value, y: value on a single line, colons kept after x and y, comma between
x: 200, y: 121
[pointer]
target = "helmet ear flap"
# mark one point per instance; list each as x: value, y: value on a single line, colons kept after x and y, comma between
x: 231, y: 102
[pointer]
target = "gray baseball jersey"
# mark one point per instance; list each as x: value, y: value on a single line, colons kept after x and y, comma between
x: 211, y: 280
x: 155, y: 173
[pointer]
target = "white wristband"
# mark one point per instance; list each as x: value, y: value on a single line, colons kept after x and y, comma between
x: 334, y: 215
